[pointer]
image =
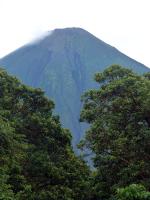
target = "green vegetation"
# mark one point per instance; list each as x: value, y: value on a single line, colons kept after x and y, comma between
x: 36, y: 157
x: 133, y: 192
x: 119, y: 133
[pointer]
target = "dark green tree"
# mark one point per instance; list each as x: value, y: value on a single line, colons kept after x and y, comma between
x: 37, y: 161
x: 119, y: 134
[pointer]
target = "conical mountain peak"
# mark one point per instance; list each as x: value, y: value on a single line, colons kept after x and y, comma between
x: 63, y: 64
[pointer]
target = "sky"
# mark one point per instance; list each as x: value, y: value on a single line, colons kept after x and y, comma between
x: 124, y: 24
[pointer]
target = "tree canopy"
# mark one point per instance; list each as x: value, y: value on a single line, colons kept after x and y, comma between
x: 36, y: 156
x: 119, y: 134
x: 37, y: 161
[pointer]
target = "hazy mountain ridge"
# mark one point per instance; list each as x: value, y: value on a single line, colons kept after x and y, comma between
x: 63, y: 63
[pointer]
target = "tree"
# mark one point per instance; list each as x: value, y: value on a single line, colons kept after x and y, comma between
x: 119, y: 134
x: 36, y: 158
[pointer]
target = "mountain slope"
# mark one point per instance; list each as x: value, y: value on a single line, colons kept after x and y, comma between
x: 63, y: 64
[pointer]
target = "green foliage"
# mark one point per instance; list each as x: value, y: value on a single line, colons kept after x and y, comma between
x: 119, y: 135
x: 5, y: 189
x: 133, y: 192
x: 36, y: 158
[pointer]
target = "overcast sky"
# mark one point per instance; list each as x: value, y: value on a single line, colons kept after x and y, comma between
x: 124, y: 24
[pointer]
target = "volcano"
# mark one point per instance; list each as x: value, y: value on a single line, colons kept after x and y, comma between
x: 63, y: 64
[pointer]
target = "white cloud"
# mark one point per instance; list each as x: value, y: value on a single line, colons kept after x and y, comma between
x: 123, y: 24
